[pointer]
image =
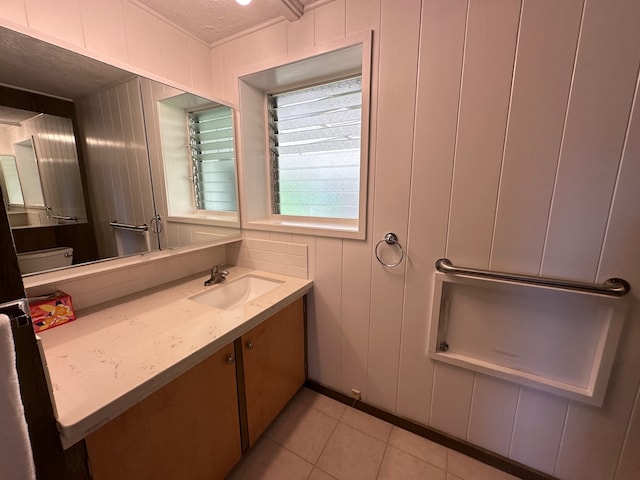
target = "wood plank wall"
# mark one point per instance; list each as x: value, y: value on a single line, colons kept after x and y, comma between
x: 503, y: 136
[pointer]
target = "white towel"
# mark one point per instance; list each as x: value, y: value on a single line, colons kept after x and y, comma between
x: 16, y: 458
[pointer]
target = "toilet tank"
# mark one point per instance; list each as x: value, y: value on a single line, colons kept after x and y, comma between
x: 39, y: 260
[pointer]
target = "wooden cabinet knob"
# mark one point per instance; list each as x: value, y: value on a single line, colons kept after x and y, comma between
x: 231, y: 359
x: 250, y: 345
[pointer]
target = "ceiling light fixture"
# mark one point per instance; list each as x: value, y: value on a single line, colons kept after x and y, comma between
x: 244, y: 2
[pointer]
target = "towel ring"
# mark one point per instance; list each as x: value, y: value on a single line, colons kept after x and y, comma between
x: 390, y: 239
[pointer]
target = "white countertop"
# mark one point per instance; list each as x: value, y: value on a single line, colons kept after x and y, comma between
x: 117, y: 353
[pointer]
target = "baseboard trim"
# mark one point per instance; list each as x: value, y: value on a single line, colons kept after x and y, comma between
x: 501, y: 463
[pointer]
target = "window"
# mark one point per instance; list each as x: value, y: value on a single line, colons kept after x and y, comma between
x: 11, y: 179
x: 198, y: 162
x: 211, y: 146
x: 314, y: 144
x: 305, y: 136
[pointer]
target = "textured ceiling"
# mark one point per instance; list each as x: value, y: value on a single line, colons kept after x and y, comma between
x: 215, y: 20
x: 38, y: 66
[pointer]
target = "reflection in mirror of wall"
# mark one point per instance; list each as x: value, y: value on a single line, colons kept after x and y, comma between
x: 192, y: 150
x: 40, y: 170
x: 116, y: 171
x: 118, y: 177
x: 53, y: 210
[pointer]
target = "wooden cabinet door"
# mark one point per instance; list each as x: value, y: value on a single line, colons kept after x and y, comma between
x: 187, y: 429
x: 273, y: 357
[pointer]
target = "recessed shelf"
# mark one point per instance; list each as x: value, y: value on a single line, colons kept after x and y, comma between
x: 555, y: 340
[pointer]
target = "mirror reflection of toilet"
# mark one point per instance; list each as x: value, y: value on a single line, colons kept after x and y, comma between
x: 48, y: 259
x: 131, y: 239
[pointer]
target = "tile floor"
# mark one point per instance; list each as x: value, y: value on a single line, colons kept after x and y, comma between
x: 318, y: 438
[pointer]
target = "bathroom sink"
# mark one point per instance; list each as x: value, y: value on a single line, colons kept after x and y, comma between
x: 235, y: 293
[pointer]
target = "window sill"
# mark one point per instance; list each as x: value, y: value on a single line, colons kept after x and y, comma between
x: 197, y: 219
x: 321, y: 228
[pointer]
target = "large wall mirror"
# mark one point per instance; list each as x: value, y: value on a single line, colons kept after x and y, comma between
x: 97, y: 163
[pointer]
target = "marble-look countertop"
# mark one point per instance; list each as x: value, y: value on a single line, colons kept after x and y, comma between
x: 117, y: 353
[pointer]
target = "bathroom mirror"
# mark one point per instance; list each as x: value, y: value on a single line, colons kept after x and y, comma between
x: 40, y: 171
x: 123, y: 183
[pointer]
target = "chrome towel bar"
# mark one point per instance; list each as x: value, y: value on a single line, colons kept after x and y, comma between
x: 49, y: 214
x: 125, y: 226
x: 614, y: 287
x: 64, y: 217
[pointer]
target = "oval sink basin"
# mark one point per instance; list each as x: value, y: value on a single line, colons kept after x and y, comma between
x: 235, y: 293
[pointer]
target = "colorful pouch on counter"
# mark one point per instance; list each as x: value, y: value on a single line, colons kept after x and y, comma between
x: 51, y: 310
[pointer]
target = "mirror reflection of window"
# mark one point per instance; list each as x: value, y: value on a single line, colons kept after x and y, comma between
x: 11, y: 180
x: 200, y: 180
x: 212, y: 154
x: 29, y: 173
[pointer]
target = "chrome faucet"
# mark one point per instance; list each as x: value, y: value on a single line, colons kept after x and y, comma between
x: 217, y: 276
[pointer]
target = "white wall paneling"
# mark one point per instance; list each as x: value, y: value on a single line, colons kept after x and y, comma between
x: 357, y: 263
x: 142, y: 30
x: 441, y: 49
x: 541, y: 83
x: 362, y: 15
x: 607, y: 434
x: 15, y: 11
x: 621, y: 257
x: 451, y: 401
x: 489, y: 53
x: 629, y: 464
x: 536, y: 122
x: 491, y: 34
x: 324, y: 327
x: 599, y: 106
x: 597, y: 124
x: 330, y: 22
x: 174, y: 45
x: 104, y: 30
x: 301, y: 34
x: 537, y: 429
x: 492, y: 414
x: 59, y: 20
x: 356, y: 277
x: 396, y: 115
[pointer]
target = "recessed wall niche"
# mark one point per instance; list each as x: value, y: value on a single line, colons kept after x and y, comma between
x: 555, y: 340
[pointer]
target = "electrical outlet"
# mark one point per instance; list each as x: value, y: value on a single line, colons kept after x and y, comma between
x: 355, y: 393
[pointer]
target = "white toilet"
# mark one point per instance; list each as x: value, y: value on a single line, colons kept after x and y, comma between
x: 40, y: 260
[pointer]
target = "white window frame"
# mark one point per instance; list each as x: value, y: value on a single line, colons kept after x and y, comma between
x: 180, y: 195
x: 351, y: 56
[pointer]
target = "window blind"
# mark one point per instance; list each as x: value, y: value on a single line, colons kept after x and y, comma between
x: 314, y: 138
x: 212, y: 152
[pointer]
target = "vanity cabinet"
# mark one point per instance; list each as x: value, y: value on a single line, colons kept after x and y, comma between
x: 187, y: 429
x: 273, y: 356
x: 198, y: 425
